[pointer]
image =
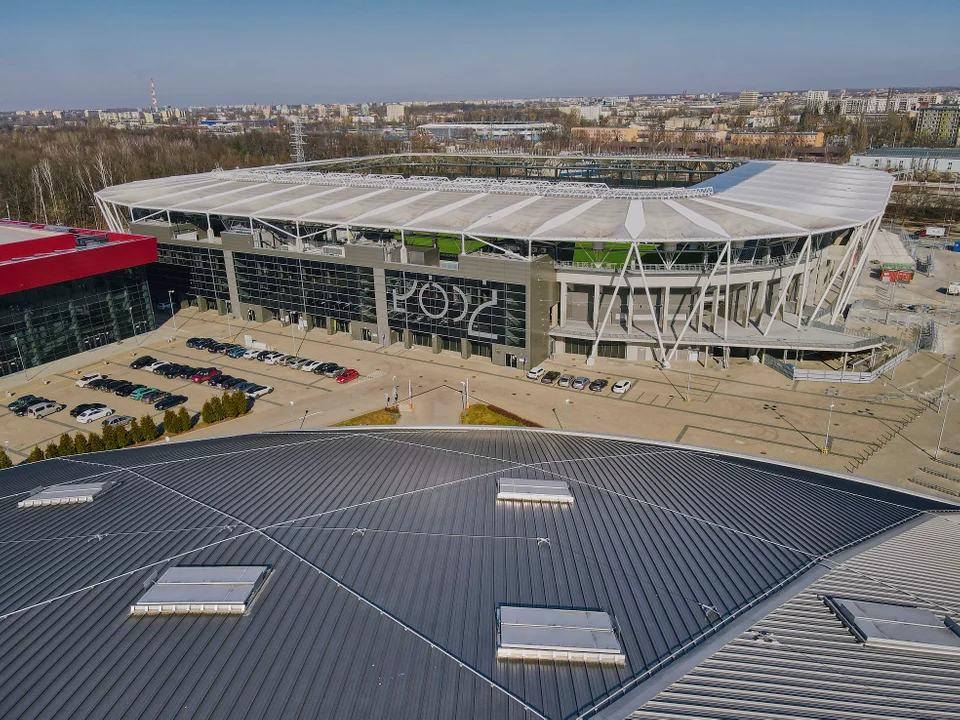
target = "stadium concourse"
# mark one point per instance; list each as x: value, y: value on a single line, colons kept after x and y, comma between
x: 469, y: 573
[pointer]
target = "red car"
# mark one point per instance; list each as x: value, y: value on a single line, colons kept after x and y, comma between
x: 205, y: 374
x: 347, y: 375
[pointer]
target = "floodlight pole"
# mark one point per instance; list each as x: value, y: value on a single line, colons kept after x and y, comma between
x: 943, y: 426
x: 133, y: 325
x: 943, y: 390
x: 826, y: 439
x: 173, y: 313
x: 23, y: 365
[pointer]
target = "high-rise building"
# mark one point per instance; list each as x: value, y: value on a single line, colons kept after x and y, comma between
x: 940, y: 122
x: 395, y: 112
x: 749, y: 99
x: 817, y: 100
x: 589, y: 112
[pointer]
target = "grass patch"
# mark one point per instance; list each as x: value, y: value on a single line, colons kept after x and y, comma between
x: 492, y: 415
x: 387, y: 416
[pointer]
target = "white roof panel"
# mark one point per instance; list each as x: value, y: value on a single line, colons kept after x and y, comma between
x: 567, y: 635
x: 64, y: 495
x: 201, y: 589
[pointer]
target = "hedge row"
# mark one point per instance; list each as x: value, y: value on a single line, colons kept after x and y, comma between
x: 113, y: 437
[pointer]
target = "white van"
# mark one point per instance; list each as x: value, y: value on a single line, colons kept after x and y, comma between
x: 44, y: 409
x: 954, y: 288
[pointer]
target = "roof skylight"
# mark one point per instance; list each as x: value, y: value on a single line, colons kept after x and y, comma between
x: 217, y: 590
x: 897, y: 627
x: 563, y: 635
x: 532, y: 490
x: 65, y: 494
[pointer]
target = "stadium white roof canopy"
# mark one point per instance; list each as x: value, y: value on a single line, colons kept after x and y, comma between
x: 754, y: 200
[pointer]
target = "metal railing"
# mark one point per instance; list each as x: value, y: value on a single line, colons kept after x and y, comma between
x: 685, y: 269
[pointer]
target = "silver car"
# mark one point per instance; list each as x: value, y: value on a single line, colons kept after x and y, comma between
x: 44, y: 409
x: 565, y: 381
x: 579, y: 383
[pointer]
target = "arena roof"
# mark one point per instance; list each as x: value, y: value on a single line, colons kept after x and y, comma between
x: 388, y: 557
x: 755, y: 200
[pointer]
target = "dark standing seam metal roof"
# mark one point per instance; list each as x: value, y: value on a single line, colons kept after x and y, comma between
x: 389, y: 555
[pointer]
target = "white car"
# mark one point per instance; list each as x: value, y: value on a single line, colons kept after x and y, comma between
x: 156, y: 366
x: 278, y: 359
x: 311, y: 366
x: 259, y: 391
x: 87, y: 379
x: 251, y: 354
x: 621, y: 386
x: 536, y: 373
x: 89, y: 416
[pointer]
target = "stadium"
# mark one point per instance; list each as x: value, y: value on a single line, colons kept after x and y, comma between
x: 470, y: 573
x: 518, y: 257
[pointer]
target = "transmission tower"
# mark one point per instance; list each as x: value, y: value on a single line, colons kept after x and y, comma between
x: 153, y: 96
x: 297, y: 143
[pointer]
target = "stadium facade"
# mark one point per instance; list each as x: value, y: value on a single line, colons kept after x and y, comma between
x: 520, y: 257
x: 385, y: 574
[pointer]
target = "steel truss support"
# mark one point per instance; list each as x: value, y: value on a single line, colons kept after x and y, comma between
x: 701, y: 297
x: 614, y: 298
x: 653, y: 313
x: 806, y: 277
x: 786, y: 286
x: 865, y: 242
x: 854, y: 240
x: 514, y: 255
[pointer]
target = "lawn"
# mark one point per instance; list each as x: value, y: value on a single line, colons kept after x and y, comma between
x: 487, y: 415
x: 387, y: 416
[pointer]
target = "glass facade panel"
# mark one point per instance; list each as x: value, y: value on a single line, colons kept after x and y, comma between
x: 343, y: 292
x: 198, y: 271
x: 47, y: 323
x: 574, y: 346
x: 455, y: 308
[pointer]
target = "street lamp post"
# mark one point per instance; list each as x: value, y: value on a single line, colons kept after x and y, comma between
x: 689, y: 366
x: 173, y: 312
x: 463, y: 396
x: 826, y: 439
x: 23, y: 365
x: 943, y: 426
x: 943, y: 390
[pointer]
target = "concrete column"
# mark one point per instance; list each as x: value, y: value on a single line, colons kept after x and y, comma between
x: 629, y: 307
x: 231, y: 280
x: 330, y: 326
x: 702, y: 291
x: 746, y: 307
x: 597, y: 298
x: 308, y: 322
x: 380, y: 301
x: 716, y: 308
x: 221, y: 307
x: 563, y: 304
x: 664, y: 307
x: 465, y: 349
x: 202, y: 304
x: 761, y: 299
x: 436, y: 344
x: 407, y: 339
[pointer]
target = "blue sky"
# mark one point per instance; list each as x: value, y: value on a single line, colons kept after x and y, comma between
x: 102, y: 53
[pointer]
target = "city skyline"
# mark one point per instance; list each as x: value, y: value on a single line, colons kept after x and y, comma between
x: 422, y: 51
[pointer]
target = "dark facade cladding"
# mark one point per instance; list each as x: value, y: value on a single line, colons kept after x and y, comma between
x: 457, y: 308
x: 46, y: 323
x: 198, y: 271
x: 329, y: 290
x: 389, y: 556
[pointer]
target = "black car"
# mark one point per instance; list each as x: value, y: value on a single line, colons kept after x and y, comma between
x: 598, y: 385
x: 262, y: 355
x: 232, y: 382
x: 170, y: 401
x: 110, y: 384
x: 85, y: 406
x: 216, y: 347
x: 126, y: 390
x: 121, y: 385
x: 22, y: 401
x: 195, y: 343
x: 97, y: 384
x: 331, y: 369
x: 187, y: 372
x: 154, y: 396
x: 142, y: 362
x: 21, y: 411
x: 550, y: 377
x: 218, y: 381
x: 172, y: 371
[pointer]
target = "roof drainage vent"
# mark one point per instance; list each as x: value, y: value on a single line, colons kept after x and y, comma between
x: 531, y: 490
x: 897, y: 627
x: 65, y: 494
x: 203, y: 590
x: 535, y: 633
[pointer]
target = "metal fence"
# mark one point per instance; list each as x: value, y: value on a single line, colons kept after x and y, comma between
x: 792, y: 372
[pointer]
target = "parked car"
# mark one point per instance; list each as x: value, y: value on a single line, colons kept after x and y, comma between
x: 138, y: 394
x: 155, y: 396
x: 347, y: 375
x: 296, y: 363
x: 579, y: 383
x: 232, y: 383
x: 264, y: 354
x: 170, y: 371
x: 118, y: 420
x: 142, y: 362
x: 83, y: 407
x: 88, y: 416
x: 128, y: 390
x: 244, y: 387
x: 237, y: 352
x: 121, y: 386
x: 204, y: 374
x: 43, y: 409
x: 621, y: 386
x: 23, y: 401
x: 276, y: 359
x: 169, y: 402
x: 187, y: 372
x: 87, y: 379
x: 598, y: 385
x: 21, y: 411
x: 218, y: 381
x: 251, y: 354
x: 535, y: 373
x: 95, y: 385
x: 164, y: 306
x: 311, y: 365
x: 333, y: 370
x: 110, y: 384
x: 259, y: 391
x: 565, y: 381
x: 550, y: 377
x: 156, y: 366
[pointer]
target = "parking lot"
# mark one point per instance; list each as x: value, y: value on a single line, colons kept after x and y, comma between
x: 745, y: 408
